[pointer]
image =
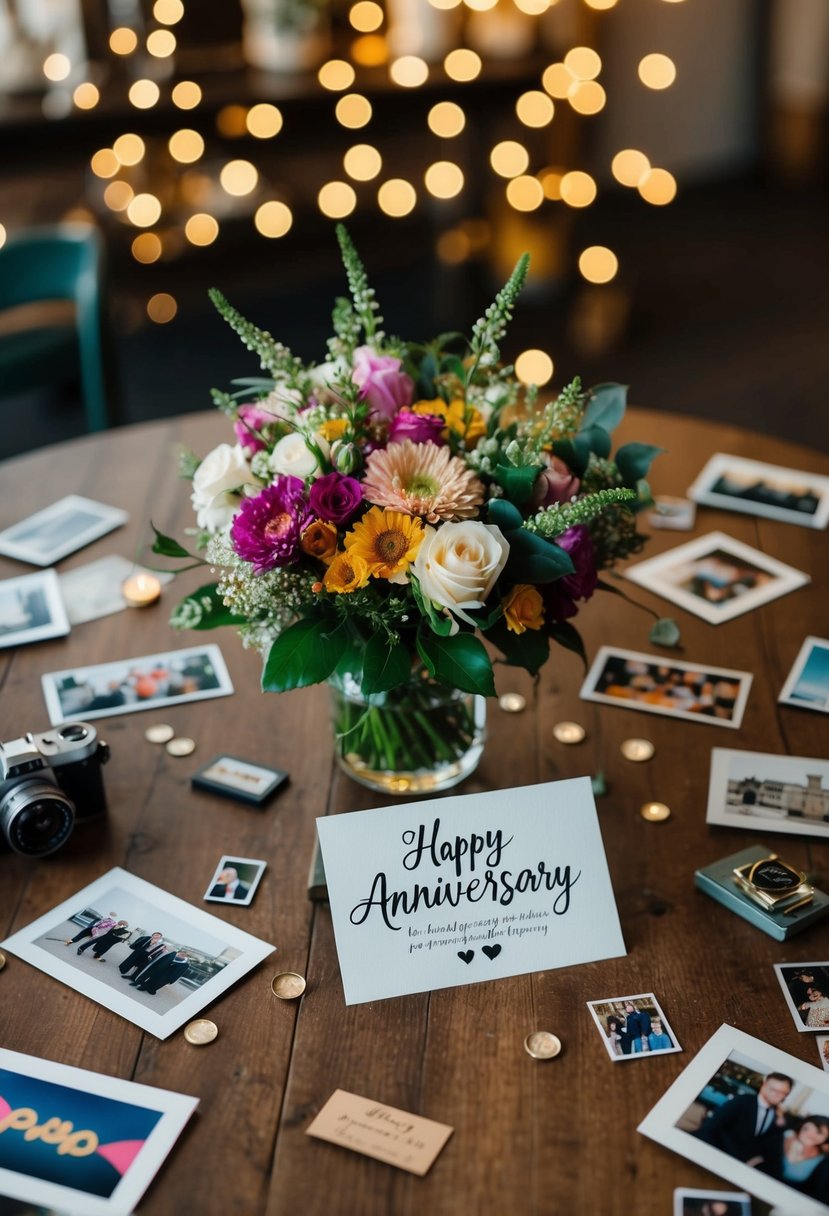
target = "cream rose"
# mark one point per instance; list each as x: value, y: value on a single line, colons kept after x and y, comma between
x: 292, y: 456
x: 216, y: 485
x: 457, y: 564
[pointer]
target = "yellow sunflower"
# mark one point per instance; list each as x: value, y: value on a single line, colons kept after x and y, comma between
x: 462, y: 420
x: 346, y: 573
x: 387, y: 541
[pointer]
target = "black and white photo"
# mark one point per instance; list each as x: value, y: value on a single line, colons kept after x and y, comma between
x: 60, y: 529
x: 31, y: 609
x: 761, y: 792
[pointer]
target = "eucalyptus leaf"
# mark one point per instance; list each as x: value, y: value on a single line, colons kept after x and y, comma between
x: 532, y: 559
x: 606, y: 407
x: 505, y: 515
x: 665, y: 632
x: 598, y: 440
x: 634, y: 460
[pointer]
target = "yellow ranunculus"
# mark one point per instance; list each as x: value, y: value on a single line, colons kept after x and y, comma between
x: 464, y: 421
x: 346, y: 573
x: 523, y: 609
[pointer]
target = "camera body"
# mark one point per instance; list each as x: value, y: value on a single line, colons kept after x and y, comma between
x: 47, y: 782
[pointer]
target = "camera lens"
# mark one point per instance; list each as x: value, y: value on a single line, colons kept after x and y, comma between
x: 36, y: 818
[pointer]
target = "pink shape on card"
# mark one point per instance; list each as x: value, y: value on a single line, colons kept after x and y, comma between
x: 121, y: 1153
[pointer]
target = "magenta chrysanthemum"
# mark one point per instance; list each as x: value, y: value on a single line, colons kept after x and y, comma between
x: 266, y: 530
x: 422, y: 479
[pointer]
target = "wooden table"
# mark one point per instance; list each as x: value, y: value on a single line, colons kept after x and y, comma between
x: 537, y: 1137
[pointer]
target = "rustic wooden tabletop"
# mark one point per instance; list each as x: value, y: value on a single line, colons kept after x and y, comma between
x: 543, y: 1137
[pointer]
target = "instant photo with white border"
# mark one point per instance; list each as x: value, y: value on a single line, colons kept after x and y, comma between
x: 601, y: 1022
x: 95, y: 590
x: 245, y: 951
x: 743, y: 679
x: 660, y: 1124
x: 740, y: 1199
x: 763, y: 792
x: 822, y: 1044
x: 16, y: 621
x: 73, y: 693
x: 720, y: 465
x: 786, y: 971
x: 230, y: 861
x: 798, y: 691
x: 655, y: 574
x: 67, y: 525
x: 175, y: 1110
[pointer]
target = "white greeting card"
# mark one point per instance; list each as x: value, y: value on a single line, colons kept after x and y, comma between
x: 479, y: 887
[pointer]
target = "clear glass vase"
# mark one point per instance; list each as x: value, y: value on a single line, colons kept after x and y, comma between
x: 417, y: 739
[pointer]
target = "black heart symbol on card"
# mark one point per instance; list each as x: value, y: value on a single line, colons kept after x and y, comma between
x: 492, y: 951
x: 468, y: 955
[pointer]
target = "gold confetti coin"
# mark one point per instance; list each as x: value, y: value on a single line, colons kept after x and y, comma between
x: 2, y: 960
x: 200, y: 1032
x: 288, y: 985
x: 512, y: 702
x: 542, y: 1045
x: 182, y: 746
x: 160, y: 732
x: 655, y: 812
x: 569, y: 732
x: 637, y: 750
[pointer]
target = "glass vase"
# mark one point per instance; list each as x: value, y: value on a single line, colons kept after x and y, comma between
x: 417, y: 739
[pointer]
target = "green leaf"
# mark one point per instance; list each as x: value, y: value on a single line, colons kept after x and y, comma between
x: 574, y: 452
x: 533, y: 559
x: 597, y: 438
x: 569, y: 637
x: 529, y: 650
x: 306, y: 653
x: 385, y: 665
x: 205, y: 609
x: 517, y: 483
x: 665, y: 632
x: 634, y: 460
x: 606, y: 406
x: 166, y: 546
x: 505, y: 515
x: 460, y: 661
x: 440, y: 623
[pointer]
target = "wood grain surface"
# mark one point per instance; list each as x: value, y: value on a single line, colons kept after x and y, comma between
x: 541, y: 1137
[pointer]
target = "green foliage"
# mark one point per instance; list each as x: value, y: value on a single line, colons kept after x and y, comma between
x: 346, y: 329
x: 489, y: 330
x: 532, y: 558
x: 167, y: 546
x: 555, y: 520
x: 365, y: 304
x: 204, y: 609
x: 188, y: 463
x: 569, y: 637
x: 460, y: 661
x: 517, y: 482
x: 529, y: 650
x: 605, y: 406
x: 305, y: 653
x: 634, y: 461
x: 385, y: 665
x: 273, y: 356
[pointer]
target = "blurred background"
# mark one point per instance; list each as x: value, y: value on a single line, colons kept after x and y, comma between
x: 663, y: 161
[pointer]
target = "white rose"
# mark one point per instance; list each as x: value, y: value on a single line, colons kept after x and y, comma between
x: 293, y: 457
x: 216, y: 485
x: 457, y: 564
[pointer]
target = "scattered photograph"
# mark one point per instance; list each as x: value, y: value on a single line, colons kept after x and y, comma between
x: 31, y: 609
x: 672, y: 514
x: 92, y: 591
x: 633, y: 1026
x: 694, y: 692
x: 115, y: 1135
x: 758, y: 791
x: 128, y: 685
x: 716, y: 577
x: 822, y: 1041
x: 807, y: 684
x: 239, y: 779
x: 753, y: 1114
x: 690, y: 1202
x: 235, y: 881
x: 68, y: 525
x: 135, y: 949
x: 806, y: 989
x: 755, y: 488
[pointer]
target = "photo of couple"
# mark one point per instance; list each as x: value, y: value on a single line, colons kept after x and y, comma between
x: 806, y: 988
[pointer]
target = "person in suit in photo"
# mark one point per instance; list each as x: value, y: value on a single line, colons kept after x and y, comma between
x: 636, y: 1029
x: 144, y: 950
x: 750, y: 1126
x: 118, y: 933
x: 162, y: 971
x: 228, y: 886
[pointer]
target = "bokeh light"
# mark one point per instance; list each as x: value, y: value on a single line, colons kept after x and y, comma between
x: 118, y: 195
x: 129, y: 149
x: 144, y: 210
x: 105, y: 163
x: 201, y: 229
x: 598, y: 264
x: 409, y: 71
x: 583, y: 63
x: 56, y: 67
x: 366, y: 16
x: 123, y: 41
x: 186, y: 146
x: 168, y: 12
x: 362, y: 162
x: 144, y: 94
x: 446, y: 119
x: 534, y: 109
x: 273, y: 219
x: 336, y: 75
x: 629, y: 166
x: 370, y: 50
x: 557, y: 80
x: 336, y: 200
x: 396, y: 197
x: 444, y: 179
x: 353, y: 111
x: 578, y: 189
x: 534, y: 367
x: 509, y: 158
x: 587, y: 97
x: 161, y: 43
x: 263, y: 121
x: 186, y: 95
x: 462, y: 65
x: 232, y: 122
x: 658, y: 187
x: 657, y: 71
x: 525, y: 193
x: 86, y: 96
x: 146, y: 248
x: 239, y: 177
x: 161, y: 307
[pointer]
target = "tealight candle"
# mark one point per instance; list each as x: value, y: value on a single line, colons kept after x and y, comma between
x: 141, y: 590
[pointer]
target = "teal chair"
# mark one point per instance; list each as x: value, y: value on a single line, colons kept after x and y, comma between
x: 62, y: 263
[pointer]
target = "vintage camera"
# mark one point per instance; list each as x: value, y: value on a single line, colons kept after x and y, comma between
x: 47, y: 782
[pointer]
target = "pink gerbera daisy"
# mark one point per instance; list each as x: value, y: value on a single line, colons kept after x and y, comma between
x: 422, y: 479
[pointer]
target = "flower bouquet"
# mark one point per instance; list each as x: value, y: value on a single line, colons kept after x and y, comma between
x: 383, y: 514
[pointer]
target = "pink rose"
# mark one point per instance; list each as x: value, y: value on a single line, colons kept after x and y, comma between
x: 386, y: 388
x: 250, y: 419
x: 554, y: 484
x: 420, y: 428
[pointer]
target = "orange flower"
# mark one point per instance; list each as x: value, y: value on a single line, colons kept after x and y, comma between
x: 319, y: 540
x: 523, y: 608
x: 346, y: 573
x: 462, y: 420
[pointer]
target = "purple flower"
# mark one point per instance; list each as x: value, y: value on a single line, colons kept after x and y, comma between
x: 386, y: 388
x: 335, y: 498
x: 555, y: 483
x: 560, y: 596
x: 420, y: 428
x: 266, y: 529
x: 250, y: 419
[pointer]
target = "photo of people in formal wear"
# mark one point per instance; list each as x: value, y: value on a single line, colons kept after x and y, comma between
x: 806, y: 989
x: 691, y: 1202
x: 633, y: 1026
x: 235, y: 880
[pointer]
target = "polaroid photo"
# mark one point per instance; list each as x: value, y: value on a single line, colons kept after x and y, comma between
x: 762, y: 792
x: 68, y: 525
x: 235, y: 881
x: 241, y: 780
x: 135, y: 949
x: 753, y: 1114
x: 657, y: 685
x: 807, y: 684
x: 716, y: 577
x: 672, y: 514
x: 822, y: 1042
x: 113, y: 1135
x: 806, y: 989
x: 152, y: 681
x: 691, y: 1202
x: 92, y: 591
x: 31, y: 609
x: 755, y: 488
x: 633, y: 1027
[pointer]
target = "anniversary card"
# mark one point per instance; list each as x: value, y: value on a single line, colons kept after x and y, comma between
x: 135, y: 949
x: 470, y: 888
x: 78, y: 1141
